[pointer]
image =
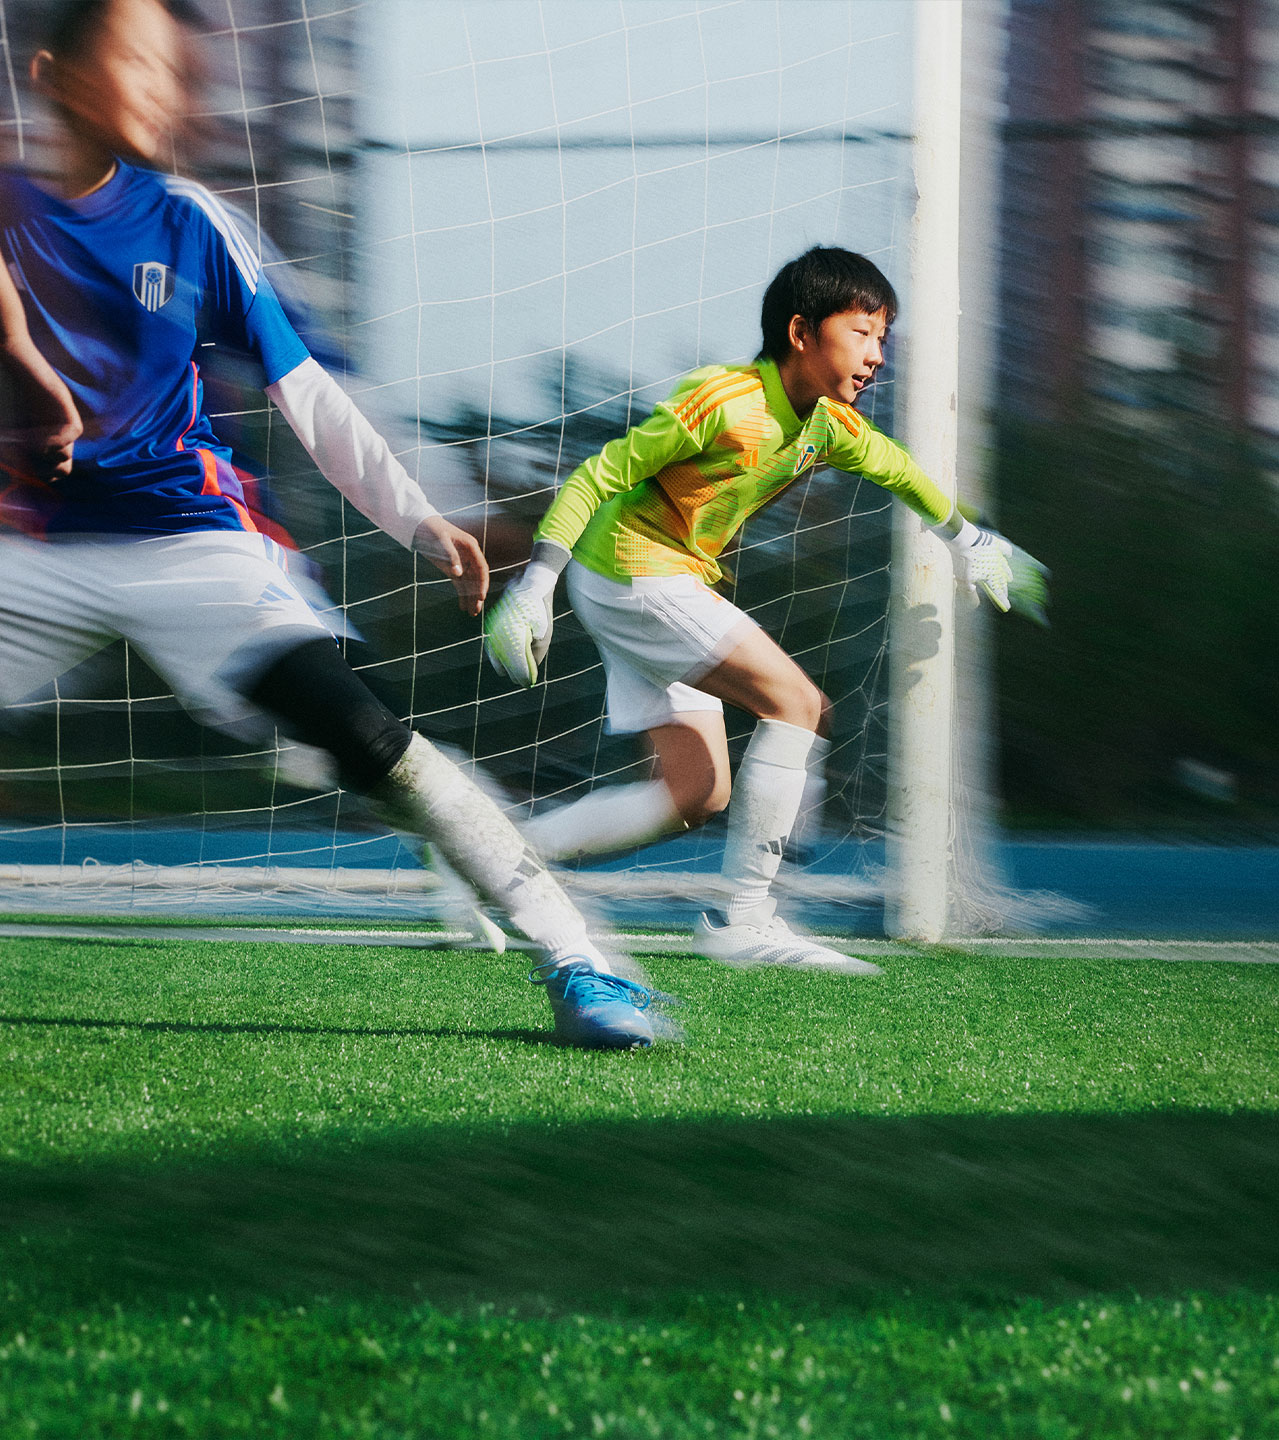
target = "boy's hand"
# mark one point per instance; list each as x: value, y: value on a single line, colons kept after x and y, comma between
x: 44, y: 423
x: 517, y: 630
x: 1011, y: 578
x: 981, y: 562
x: 1028, y: 588
x: 459, y: 555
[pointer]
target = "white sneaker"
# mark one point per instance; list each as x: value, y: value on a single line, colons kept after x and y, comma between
x: 766, y: 939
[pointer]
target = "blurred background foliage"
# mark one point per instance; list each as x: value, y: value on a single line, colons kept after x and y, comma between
x: 1153, y: 700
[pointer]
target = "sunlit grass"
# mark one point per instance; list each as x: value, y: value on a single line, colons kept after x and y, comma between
x: 353, y: 1191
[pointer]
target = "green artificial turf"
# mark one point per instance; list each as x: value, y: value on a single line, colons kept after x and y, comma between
x: 250, y: 1189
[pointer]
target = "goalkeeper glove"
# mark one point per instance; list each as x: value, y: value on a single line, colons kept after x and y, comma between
x: 1028, y: 588
x: 517, y: 630
x: 984, y: 560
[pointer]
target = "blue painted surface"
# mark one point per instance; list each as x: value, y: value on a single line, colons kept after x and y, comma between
x: 1089, y: 886
x: 126, y: 844
x: 1214, y: 892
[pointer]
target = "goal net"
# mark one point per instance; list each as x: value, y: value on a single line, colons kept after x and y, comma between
x: 509, y: 226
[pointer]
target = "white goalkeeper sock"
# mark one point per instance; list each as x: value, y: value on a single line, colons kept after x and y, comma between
x: 428, y: 795
x: 765, y: 801
x: 615, y: 817
x: 808, y: 822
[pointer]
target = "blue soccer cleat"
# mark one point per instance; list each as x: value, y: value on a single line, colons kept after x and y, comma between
x: 594, y: 1009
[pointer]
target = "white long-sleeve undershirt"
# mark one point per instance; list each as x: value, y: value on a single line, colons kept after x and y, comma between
x: 349, y: 452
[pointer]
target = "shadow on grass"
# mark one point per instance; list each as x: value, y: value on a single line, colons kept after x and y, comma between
x: 833, y: 1208
x: 231, y: 1027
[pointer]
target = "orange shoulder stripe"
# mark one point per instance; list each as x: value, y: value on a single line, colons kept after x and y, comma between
x: 718, y: 403
x: 695, y: 397
x: 707, y: 399
x: 848, y: 417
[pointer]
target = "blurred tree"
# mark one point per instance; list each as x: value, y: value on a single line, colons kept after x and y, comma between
x: 1165, y: 562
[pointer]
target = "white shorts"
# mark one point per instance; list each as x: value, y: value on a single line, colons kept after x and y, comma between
x: 658, y: 636
x: 207, y: 611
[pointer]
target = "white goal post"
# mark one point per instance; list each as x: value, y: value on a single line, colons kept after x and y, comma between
x: 922, y: 613
x: 941, y: 877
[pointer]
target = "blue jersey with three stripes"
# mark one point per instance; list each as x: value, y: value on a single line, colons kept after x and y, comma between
x: 123, y: 290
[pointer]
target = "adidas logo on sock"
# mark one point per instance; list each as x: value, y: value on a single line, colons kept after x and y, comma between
x: 528, y: 867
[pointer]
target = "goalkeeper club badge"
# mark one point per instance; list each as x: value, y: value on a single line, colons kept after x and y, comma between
x: 805, y: 458
x: 153, y: 284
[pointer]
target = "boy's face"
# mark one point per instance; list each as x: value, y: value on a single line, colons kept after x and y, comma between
x: 841, y: 357
x: 123, y: 89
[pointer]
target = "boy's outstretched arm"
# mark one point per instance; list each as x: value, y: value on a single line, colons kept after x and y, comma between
x: 44, y: 424
x: 357, y: 461
x: 984, y: 561
x: 517, y: 630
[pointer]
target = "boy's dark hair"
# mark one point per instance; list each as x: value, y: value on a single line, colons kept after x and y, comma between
x: 821, y: 283
x: 70, y: 25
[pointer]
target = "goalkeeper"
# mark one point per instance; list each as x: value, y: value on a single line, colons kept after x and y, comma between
x: 639, y: 529
x: 121, y: 514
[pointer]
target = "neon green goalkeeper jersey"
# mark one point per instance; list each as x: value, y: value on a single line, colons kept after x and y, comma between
x: 668, y: 496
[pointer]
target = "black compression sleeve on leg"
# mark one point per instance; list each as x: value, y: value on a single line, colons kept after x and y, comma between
x: 321, y: 701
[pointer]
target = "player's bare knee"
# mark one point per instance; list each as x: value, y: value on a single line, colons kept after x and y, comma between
x: 826, y: 717
x: 802, y: 707
x: 716, y: 799
x: 696, y: 813
x: 700, y: 803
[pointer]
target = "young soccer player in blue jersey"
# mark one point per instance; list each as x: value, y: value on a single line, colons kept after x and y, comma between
x: 121, y: 514
x: 639, y: 529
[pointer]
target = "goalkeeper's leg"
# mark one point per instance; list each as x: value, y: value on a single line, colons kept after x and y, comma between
x: 615, y: 817
x: 692, y: 785
x: 766, y: 799
x: 655, y: 636
x: 760, y: 678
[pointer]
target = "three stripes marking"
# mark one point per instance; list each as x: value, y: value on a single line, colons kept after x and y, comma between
x: 246, y: 262
x: 713, y: 393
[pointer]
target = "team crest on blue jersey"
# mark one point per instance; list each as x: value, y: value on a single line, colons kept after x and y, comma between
x: 153, y: 284
x: 805, y: 458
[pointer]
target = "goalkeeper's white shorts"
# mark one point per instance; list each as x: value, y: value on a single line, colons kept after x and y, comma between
x: 207, y: 611
x: 658, y: 636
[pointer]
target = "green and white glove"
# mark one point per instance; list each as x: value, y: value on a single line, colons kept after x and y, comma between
x: 985, y: 561
x: 517, y: 630
x: 1028, y: 588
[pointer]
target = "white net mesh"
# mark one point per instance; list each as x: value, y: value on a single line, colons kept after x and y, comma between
x: 510, y: 226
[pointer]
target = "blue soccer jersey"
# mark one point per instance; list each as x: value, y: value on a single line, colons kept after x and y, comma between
x: 123, y: 289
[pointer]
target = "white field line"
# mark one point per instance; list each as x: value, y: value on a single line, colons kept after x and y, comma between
x: 1251, y: 952
x: 284, y: 880
x: 239, y: 934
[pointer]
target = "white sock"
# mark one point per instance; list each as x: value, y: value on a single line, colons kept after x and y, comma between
x: 615, y: 817
x: 808, y: 822
x: 428, y: 795
x: 765, y: 801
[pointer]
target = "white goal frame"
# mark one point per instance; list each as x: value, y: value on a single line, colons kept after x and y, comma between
x: 922, y: 675
x: 939, y: 669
